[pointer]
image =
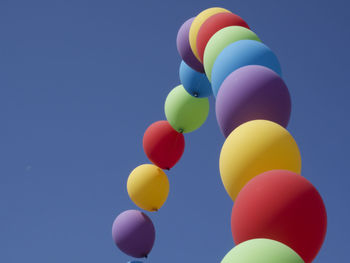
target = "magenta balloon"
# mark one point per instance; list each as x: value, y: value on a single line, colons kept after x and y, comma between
x: 134, y: 234
x: 184, y: 48
x: 250, y: 93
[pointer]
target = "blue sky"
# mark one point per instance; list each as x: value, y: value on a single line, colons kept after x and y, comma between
x: 81, y: 80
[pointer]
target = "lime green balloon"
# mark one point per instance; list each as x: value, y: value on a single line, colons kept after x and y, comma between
x: 184, y: 112
x: 222, y: 39
x: 262, y: 251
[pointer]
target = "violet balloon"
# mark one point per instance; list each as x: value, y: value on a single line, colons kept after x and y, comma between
x: 250, y: 93
x: 184, y: 48
x: 134, y: 234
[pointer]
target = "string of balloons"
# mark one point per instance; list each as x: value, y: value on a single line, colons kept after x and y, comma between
x: 278, y: 215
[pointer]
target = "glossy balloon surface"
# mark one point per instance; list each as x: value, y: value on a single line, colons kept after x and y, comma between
x: 262, y: 251
x: 184, y: 112
x: 163, y: 145
x: 253, y: 148
x: 148, y: 187
x: 252, y: 93
x: 239, y: 54
x: 195, y: 83
x: 283, y: 206
x: 134, y: 233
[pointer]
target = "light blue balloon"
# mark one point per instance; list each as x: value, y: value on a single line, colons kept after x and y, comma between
x: 239, y: 54
x: 195, y: 83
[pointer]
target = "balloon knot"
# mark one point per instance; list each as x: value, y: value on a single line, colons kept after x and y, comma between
x: 167, y: 168
x: 155, y: 209
x: 181, y: 130
x: 146, y: 256
x: 195, y: 94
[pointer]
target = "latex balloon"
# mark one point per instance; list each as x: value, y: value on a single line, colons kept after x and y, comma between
x: 283, y: 206
x: 195, y: 83
x: 163, y: 145
x: 148, y: 187
x: 198, y: 22
x: 214, y: 24
x: 184, y: 112
x: 184, y: 48
x: 253, y: 148
x: 220, y: 40
x: 262, y: 251
x: 239, y: 54
x: 134, y: 234
x: 251, y: 93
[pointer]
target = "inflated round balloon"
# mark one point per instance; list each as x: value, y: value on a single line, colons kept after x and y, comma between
x: 195, y: 83
x: 283, y: 206
x: 148, y: 187
x: 262, y: 251
x: 220, y: 40
x: 184, y: 112
x: 163, y: 145
x: 214, y: 24
x: 184, y: 48
x: 253, y: 148
x: 250, y: 93
x: 134, y: 234
x: 239, y: 54
x: 198, y: 22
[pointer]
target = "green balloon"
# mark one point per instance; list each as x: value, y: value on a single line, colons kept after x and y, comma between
x: 222, y: 39
x: 184, y: 112
x: 262, y: 251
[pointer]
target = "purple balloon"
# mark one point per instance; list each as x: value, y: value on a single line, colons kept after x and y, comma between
x: 134, y: 234
x: 184, y: 48
x: 250, y: 93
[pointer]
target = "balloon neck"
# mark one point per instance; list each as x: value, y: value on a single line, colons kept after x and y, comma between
x: 195, y: 94
x: 146, y: 256
x: 167, y: 168
x: 154, y: 210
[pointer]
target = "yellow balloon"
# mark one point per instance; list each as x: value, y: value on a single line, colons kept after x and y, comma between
x: 253, y: 148
x: 148, y: 187
x: 197, y: 23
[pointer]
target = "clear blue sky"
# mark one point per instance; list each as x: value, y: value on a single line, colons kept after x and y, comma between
x: 80, y: 81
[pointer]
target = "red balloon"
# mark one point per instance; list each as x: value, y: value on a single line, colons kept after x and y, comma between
x: 163, y: 145
x: 213, y: 25
x: 283, y: 206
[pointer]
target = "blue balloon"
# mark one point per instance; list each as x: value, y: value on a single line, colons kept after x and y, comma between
x: 239, y: 54
x: 195, y: 83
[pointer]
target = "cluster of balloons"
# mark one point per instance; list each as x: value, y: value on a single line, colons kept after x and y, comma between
x: 278, y: 215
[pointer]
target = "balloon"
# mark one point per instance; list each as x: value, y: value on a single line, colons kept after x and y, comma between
x: 250, y: 93
x: 148, y: 187
x: 184, y: 48
x: 163, y: 145
x: 220, y: 40
x: 262, y: 251
x: 198, y: 22
x: 253, y: 148
x: 134, y: 234
x: 184, y: 112
x: 239, y: 54
x: 214, y: 24
x: 283, y: 206
x: 195, y: 83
